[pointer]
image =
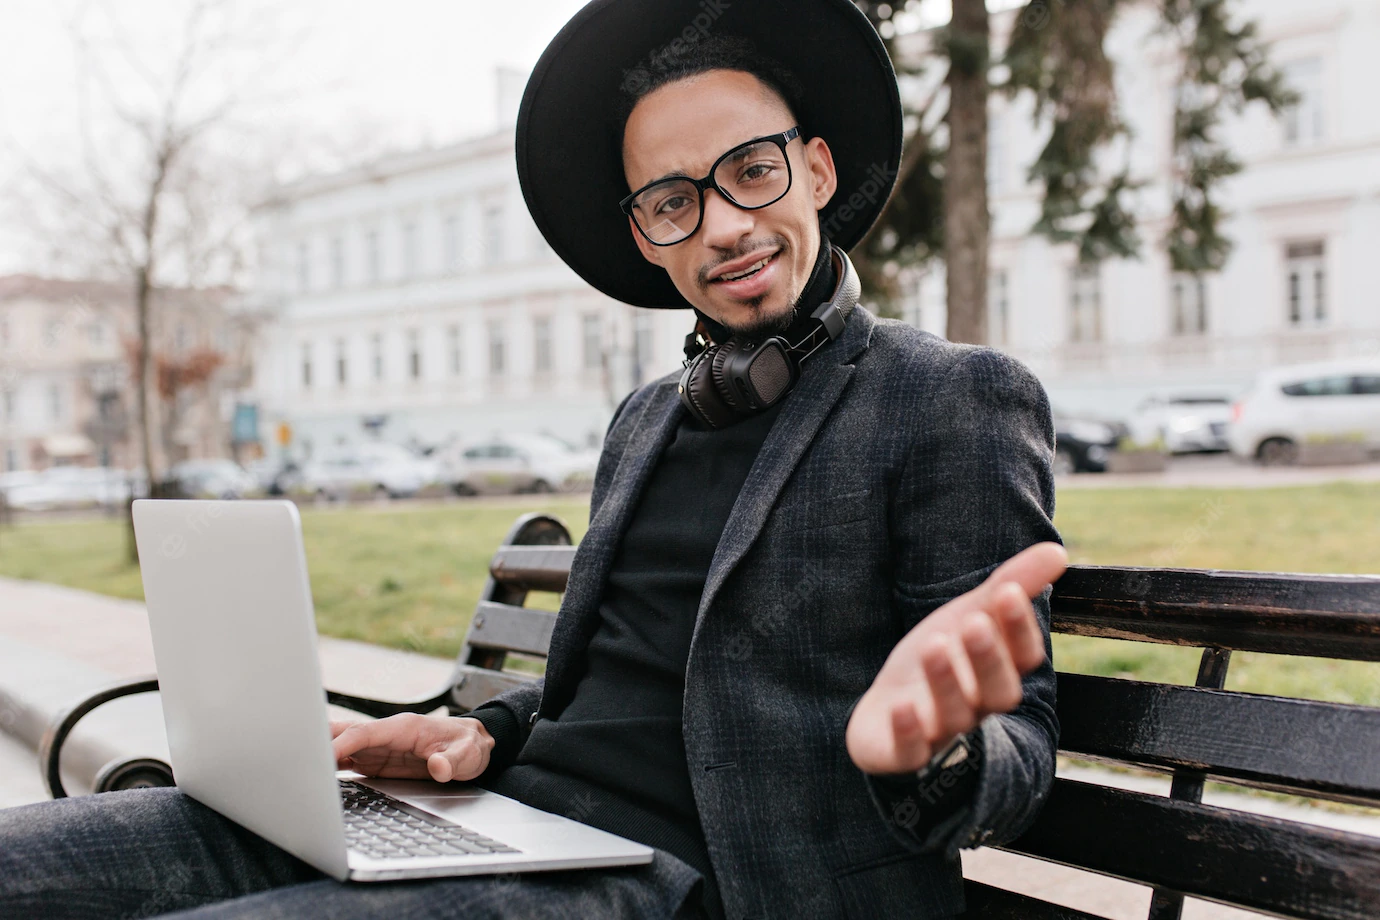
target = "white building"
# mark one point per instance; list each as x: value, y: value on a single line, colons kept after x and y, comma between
x: 417, y: 302
x: 1303, y: 282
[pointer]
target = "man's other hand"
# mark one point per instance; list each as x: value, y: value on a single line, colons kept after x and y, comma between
x: 408, y: 746
x: 959, y: 664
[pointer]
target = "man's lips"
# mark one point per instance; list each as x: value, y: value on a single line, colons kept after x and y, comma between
x: 754, y: 285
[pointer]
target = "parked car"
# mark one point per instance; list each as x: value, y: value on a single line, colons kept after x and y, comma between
x: 1184, y: 423
x: 1083, y: 445
x: 1287, y: 406
x: 387, y: 470
x: 66, y: 487
x: 517, y: 463
x: 276, y: 476
x: 223, y: 479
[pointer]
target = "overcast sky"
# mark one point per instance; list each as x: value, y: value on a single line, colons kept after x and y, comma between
x: 407, y: 72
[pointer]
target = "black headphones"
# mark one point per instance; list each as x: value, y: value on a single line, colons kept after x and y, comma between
x: 726, y: 383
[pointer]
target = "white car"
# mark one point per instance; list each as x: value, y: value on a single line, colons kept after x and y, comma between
x: 517, y: 463
x: 66, y: 487
x: 387, y: 470
x: 220, y: 479
x: 1287, y: 406
x: 1184, y: 423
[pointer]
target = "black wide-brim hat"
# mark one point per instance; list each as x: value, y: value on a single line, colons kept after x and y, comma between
x: 569, y: 157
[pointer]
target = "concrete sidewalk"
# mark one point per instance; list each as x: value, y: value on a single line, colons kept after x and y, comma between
x: 58, y: 644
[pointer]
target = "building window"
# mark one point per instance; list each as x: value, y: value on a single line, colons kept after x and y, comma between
x: 373, y: 256
x: 95, y: 332
x: 1085, y: 303
x: 454, y: 255
x: 493, y: 233
x: 9, y: 406
x: 1303, y: 122
x: 997, y: 307
x: 342, y: 370
x: 1307, y: 277
x: 414, y: 354
x: 411, y: 256
x: 55, y: 402
x: 11, y: 459
x: 306, y: 367
x: 593, y: 338
x: 541, y: 344
x: 1188, y: 296
x: 456, y: 355
x: 496, y: 348
x: 52, y: 333
x: 303, y: 267
x: 337, y: 262
x: 376, y: 354
x: 4, y: 332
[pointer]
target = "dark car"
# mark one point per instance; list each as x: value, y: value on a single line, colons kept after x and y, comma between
x: 1082, y: 445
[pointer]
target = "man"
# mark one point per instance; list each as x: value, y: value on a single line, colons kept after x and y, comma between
x: 783, y: 607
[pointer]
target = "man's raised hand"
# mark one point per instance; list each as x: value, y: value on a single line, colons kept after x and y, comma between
x: 408, y: 746
x: 959, y: 664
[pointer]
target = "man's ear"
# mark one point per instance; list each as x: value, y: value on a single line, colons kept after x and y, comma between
x: 649, y: 252
x: 824, y: 179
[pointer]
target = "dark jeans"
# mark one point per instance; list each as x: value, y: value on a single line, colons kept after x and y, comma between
x: 152, y: 852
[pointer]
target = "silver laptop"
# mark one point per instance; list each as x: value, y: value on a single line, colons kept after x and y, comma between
x: 234, y: 639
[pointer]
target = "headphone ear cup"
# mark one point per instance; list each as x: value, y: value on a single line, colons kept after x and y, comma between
x: 700, y: 395
x: 721, y: 379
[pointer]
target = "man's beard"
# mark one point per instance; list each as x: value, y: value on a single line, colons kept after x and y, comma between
x: 765, y: 327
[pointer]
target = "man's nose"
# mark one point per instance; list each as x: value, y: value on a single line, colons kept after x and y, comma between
x: 723, y: 224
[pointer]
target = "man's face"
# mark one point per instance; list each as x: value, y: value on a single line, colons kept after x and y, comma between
x: 683, y: 128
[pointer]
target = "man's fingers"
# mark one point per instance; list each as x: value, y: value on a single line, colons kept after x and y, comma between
x: 999, y: 684
x: 908, y: 734
x: 1032, y: 568
x: 1015, y: 616
x: 953, y: 703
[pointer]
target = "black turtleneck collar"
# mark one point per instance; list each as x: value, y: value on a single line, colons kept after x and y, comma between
x: 817, y: 290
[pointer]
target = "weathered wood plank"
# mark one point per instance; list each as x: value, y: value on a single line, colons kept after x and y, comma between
x: 1331, y: 616
x: 479, y: 685
x: 533, y: 568
x: 1330, y: 750
x: 1246, y: 860
x: 511, y: 629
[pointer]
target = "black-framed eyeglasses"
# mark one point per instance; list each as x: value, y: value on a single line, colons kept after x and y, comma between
x: 752, y: 175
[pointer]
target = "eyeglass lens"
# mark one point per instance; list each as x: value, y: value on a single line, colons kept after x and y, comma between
x: 752, y: 176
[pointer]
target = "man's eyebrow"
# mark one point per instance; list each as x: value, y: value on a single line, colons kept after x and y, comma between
x: 685, y: 174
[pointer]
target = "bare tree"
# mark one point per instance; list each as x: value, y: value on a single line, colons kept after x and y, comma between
x: 165, y: 180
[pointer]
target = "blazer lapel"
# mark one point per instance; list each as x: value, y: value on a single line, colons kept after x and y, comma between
x: 819, y: 387
x: 660, y: 415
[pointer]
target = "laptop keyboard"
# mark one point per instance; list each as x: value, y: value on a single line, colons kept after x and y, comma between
x: 380, y: 826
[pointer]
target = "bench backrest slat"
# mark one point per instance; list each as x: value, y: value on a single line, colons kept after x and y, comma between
x: 1249, y: 860
x: 512, y: 629
x: 1329, y: 750
x: 1331, y: 616
x: 533, y: 568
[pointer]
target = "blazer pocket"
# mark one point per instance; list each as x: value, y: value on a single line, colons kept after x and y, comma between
x: 908, y: 885
x: 825, y: 511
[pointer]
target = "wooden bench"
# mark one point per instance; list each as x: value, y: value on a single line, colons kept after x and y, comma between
x: 1174, y: 844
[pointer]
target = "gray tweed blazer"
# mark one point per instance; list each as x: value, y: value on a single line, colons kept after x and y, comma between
x: 901, y: 470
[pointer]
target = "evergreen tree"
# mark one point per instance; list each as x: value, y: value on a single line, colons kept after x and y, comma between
x: 1057, y: 54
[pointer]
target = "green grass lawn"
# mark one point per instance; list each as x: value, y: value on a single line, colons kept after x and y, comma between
x: 409, y: 576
